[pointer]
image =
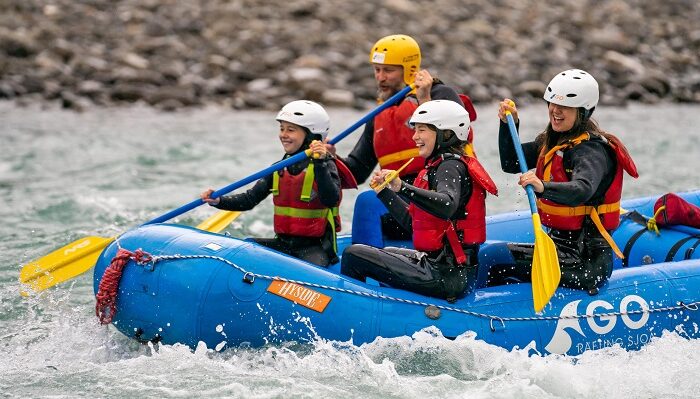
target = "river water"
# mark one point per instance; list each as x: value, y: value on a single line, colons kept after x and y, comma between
x: 65, y: 175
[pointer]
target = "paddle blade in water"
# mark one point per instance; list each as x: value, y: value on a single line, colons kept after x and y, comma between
x: 218, y: 221
x: 63, y: 263
x: 545, y: 266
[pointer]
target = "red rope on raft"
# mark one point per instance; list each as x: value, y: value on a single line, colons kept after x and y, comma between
x: 106, y: 297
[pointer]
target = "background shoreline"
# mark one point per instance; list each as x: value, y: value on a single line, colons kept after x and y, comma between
x: 256, y: 54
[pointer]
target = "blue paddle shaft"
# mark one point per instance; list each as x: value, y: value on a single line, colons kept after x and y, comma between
x: 521, y: 160
x: 282, y: 164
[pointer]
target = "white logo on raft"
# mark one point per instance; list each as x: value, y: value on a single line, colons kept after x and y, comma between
x: 561, y: 340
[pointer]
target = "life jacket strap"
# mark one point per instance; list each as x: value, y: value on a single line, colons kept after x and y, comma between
x: 275, y: 183
x: 605, y: 234
x: 308, y: 183
x: 305, y: 213
x: 330, y: 217
x: 581, y: 210
x: 547, y: 175
x: 456, y: 245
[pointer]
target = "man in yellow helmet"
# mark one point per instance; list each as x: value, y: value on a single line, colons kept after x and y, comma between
x: 387, y: 139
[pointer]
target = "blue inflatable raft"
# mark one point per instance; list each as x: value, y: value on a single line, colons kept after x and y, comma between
x: 223, y: 291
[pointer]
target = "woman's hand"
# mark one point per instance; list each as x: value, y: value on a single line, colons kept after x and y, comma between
x: 531, y: 179
x: 381, y: 176
x: 318, y: 149
x: 423, y: 82
x: 206, y: 197
x: 507, y: 105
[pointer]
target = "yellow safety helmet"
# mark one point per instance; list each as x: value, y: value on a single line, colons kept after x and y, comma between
x: 397, y: 50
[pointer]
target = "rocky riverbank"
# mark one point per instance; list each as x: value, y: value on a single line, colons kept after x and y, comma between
x: 260, y: 54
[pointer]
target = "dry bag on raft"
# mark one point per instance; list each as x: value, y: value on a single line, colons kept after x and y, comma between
x: 671, y: 209
x: 645, y: 243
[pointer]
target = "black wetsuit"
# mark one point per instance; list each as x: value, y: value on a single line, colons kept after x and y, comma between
x: 317, y: 250
x: 362, y: 160
x: 435, y: 274
x: 585, y: 257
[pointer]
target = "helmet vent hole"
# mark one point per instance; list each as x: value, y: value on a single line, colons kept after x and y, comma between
x: 549, y: 89
x: 577, y: 77
x: 461, y: 124
x: 423, y: 112
x: 571, y: 95
x: 298, y: 113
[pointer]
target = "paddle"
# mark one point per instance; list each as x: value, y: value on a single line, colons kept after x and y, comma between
x: 545, y: 263
x: 391, y: 176
x: 79, y: 256
x: 219, y: 221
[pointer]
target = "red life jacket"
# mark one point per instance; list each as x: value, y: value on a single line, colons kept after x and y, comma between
x: 429, y: 231
x: 298, y: 209
x: 550, y: 167
x: 393, y: 138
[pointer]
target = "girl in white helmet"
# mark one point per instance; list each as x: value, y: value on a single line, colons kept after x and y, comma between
x: 444, y: 209
x: 306, y: 195
x: 577, y: 180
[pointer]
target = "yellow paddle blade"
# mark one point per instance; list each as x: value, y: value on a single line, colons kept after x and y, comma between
x: 545, y: 266
x: 63, y: 263
x: 218, y: 221
x: 79, y: 256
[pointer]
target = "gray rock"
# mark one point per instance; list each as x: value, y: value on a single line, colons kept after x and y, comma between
x: 533, y: 88
x: 623, y: 64
x: 251, y: 54
x: 259, y: 85
x: 17, y: 44
x: 336, y: 97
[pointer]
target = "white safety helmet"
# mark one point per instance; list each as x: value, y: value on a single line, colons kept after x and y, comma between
x: 444, y: 115
x: 306, y: 114
x: 573, y: 88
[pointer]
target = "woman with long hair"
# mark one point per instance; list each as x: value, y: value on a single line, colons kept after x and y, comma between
x: 577, y: 180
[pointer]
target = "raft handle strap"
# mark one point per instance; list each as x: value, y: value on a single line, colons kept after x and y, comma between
x: 689, y: 252
x: 630, y: 244
x: 674, y: 249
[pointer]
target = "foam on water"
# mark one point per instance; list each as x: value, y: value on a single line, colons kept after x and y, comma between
x: 61, y: 350
x: 66, y: 175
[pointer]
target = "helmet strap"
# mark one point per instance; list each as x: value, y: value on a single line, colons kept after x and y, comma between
x: 309, y: 137
x: 589, y: 113
x: 441, y: 143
